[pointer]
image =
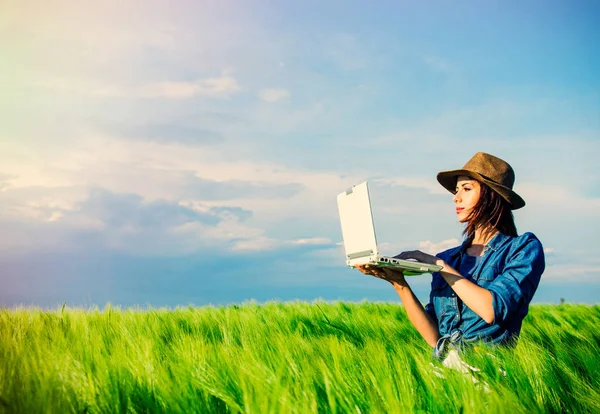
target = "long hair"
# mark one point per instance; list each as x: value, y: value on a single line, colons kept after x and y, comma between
x: 491, y: 213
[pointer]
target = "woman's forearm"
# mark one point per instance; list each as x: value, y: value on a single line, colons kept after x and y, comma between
x: 416, y: 314
x: 475, y: 297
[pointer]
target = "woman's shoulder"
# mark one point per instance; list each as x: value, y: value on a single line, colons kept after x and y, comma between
x: 527, y: 238
x: 527, y: 242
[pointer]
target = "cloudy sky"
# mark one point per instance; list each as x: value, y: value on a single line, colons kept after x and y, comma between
x: 168, y: 153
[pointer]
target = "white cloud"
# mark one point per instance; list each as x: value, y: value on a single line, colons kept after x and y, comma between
x: 5, y: 181
x: 196, y: 235
x: 158, y: 171
x: 413, y: 182
x: 430, y: 247
x: 556, y: 198
x: 314, y: 241
x: 263, y: 243
x: 217, y: 87
x: 221, y: 87
x: 392, y: 249
x: 80, y: 87
x: 272, y: 95
x: 572, y: 273
x: 170, y: 90
x: 258, y: 244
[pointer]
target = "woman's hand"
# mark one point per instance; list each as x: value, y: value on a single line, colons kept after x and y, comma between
x: 420, y: 257
x: 389, y: 275
x: 371, y: 270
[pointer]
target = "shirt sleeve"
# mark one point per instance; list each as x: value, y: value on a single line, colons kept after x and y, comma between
x: 429, y: 308
x: 431, y: 311
x: 513, y: 289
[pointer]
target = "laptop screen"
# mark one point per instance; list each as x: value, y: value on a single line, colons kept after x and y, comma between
x: 357, y: 221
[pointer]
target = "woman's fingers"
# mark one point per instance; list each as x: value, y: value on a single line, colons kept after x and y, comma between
x: 406, y: 255
x: 418, y: 256
x: 379, y: 272
x: 370, y: 270
x: 388, y: 275
x: 393, y: 274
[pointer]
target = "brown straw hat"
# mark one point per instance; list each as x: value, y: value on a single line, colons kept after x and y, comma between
x: 493, y: 171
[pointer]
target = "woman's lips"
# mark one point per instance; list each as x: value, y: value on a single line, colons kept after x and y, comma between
x: 459, y: 209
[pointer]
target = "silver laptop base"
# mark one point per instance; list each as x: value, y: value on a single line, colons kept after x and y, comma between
x: 408, y: 267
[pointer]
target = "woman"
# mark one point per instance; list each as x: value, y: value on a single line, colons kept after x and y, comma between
x: 485, y: 285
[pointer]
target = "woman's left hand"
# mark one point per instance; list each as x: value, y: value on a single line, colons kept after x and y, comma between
x: 420, y: 257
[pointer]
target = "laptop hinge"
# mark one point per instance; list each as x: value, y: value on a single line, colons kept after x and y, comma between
x: 360, y: 254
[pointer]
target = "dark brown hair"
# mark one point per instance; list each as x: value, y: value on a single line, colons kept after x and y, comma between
x: 491, y: 213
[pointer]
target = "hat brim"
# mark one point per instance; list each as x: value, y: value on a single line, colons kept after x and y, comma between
x: 448, y: 180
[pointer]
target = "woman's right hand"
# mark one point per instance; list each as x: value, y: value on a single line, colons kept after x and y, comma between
x: 371, y: 270
x: 389, y: 275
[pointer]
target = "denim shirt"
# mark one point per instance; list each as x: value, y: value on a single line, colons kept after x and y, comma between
x: 510, y: 268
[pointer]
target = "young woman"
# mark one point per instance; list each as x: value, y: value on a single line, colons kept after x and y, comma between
x: 483, y: 291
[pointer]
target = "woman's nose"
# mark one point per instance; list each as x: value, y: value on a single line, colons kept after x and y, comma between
x: 456, y: 197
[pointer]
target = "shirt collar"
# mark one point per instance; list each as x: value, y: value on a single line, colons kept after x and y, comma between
x: 460, y: 249
x: 497, y: 241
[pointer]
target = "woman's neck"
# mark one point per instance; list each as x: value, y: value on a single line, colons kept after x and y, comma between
x: 479, y: 241
x: 483, y: 236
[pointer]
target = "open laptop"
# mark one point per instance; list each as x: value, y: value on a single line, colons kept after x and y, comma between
x: 358, y: 232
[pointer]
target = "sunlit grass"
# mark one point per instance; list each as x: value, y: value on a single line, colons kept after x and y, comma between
x: 279, y: 358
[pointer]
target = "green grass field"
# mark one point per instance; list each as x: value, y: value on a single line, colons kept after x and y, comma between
x: 283, y: 358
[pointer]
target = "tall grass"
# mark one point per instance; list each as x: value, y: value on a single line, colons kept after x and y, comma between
x: 286, y: 358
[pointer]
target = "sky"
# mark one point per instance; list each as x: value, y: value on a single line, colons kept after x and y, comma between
x: 175, y: 153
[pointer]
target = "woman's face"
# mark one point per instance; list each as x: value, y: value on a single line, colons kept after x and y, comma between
x: 466, y: 197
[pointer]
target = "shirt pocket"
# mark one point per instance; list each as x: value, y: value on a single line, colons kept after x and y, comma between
x: 488, y: 274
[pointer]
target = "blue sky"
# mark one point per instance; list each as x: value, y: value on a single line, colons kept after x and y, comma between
x: 173, y: 153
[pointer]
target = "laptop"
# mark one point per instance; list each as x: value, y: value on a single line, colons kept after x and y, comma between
x: 360, y: 244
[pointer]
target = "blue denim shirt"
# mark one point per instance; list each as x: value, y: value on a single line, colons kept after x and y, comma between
x: 510, y: 268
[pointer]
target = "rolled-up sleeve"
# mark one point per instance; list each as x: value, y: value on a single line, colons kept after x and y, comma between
x: 513, y: 289
x: 437, y: 281
x: 430, y: 310
x: 435, y: 284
